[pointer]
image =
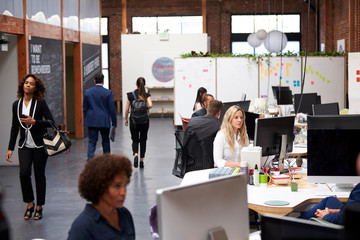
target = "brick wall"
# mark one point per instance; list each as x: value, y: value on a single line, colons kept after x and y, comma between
x: 333, y: 22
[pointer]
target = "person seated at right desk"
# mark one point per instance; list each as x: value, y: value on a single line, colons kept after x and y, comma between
x: 203, y: 110
x: 230, y: 139
x: 331, y: 209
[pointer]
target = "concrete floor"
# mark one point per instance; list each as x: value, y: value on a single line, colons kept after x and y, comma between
x: 63, y: 203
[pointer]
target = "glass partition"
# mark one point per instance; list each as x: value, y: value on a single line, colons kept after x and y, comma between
x: 71, y: 14
x: 44, y: 11
x: 90, y: 16
x: 12, y: 8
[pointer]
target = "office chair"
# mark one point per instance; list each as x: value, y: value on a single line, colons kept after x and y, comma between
x: 184, y: 121
x: 326, y: 109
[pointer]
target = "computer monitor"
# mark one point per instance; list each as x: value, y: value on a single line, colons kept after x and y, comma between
x: 308, y: 99
x: 332, y: 155
x: 243, y: 104
x: 283, y: 95
x: 190, y: 211
x: 326, y: 109
x: 351, y: 121
x: 250, y: 123
x: 269, y: 132
x: 290, y: 228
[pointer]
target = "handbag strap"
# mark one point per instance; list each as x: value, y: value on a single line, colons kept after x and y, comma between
x: 52, y: 124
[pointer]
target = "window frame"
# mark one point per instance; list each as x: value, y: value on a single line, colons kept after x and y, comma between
x: 242, y: 37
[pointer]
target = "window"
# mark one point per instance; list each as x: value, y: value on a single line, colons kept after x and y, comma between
x: 243, y: 25
x: 105, y: 50
x: 173, y: 24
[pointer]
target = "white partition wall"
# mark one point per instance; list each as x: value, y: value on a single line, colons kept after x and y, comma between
x: 190, y: 75
x: 326, y: 77
x: 354, y: 82
x: 236, y: 76
x: 286, y: 70
x: 138, y: 52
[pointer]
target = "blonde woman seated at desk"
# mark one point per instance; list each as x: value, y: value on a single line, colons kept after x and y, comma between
x: 230, y: 139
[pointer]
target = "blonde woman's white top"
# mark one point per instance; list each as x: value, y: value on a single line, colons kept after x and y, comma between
x: 222, y: 150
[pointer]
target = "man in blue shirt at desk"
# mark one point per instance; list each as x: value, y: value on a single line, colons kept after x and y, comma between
x: 331, y: 209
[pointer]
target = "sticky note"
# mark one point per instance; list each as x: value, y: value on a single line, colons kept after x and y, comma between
x: 312, y: 82
x: 358, y: 72
x: 358, y: 79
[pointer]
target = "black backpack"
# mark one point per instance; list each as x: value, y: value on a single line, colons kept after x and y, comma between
x: 139, y: 112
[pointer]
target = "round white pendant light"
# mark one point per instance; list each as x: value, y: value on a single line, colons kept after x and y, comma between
x: 261, y: 34
x: 275, y: 41
x: 253, y: 40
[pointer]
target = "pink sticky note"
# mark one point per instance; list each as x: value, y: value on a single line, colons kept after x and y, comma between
x: 358, y: 72
x: 205, y: 70
x: 184, y: 77
x: 275, y: 74
x: 358, y: 79
x: 312, y: 82
x: 282, y: 64
x: 190, y: 85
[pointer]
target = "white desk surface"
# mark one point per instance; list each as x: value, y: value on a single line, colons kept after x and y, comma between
x: 258, y: 195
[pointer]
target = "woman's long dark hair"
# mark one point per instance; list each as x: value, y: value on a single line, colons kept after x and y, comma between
x: 40, y: 91
x: 198, y: 99
x: 140, y: 83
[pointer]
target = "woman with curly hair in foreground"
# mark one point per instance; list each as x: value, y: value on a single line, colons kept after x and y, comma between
x: 103, y: 182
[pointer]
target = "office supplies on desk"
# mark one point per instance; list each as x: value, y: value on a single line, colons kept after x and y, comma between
x: 272, y: 179
x: 256, y: 176
x: 225, y: 171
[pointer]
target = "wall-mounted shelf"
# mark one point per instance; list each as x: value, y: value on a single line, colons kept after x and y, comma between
x: 163, y: 102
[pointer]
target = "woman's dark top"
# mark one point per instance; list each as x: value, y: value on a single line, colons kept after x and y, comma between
x: 39, y: 111
x: 91, y: 225
x: 130, y: 95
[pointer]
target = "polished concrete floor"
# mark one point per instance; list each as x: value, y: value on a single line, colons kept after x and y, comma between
x: 63, y: 203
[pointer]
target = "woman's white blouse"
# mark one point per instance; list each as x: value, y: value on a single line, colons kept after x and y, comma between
x: 222, y: 150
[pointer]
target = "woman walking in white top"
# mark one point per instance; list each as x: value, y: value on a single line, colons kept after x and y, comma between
x: 230, y: 139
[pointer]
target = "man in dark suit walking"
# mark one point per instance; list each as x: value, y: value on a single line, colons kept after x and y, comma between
x: 98, y: 109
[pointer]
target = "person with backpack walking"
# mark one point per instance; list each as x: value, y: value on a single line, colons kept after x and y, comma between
x: 98, y: 110
x: 140, y: 102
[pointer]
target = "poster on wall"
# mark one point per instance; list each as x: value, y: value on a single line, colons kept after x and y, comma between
x: 354, y: 83
x: 91, y: 64
x: 45, y: 60
x: 159, y: 69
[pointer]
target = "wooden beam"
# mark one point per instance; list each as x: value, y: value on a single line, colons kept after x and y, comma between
x: 23, y: 47
x: 352, y: 24
x: 123, y: 19
x: 64, y: 63
x: 78, y: 90
x: 11, y: 24
x: 44, y: 30
x: 204, y: 15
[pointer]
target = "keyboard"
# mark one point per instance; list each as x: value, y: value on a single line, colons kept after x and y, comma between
x: 328, y: 193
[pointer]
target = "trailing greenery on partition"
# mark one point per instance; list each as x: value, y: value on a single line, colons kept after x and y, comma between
x: 254, y: 56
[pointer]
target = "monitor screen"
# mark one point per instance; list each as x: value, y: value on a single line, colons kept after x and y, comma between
x: 332, y: 155
x: 250, y: 124
x: 243, y: 104
x: 190, y: 211
x: 351, y: 121
x: 269, y: 131
x: 283, y: 95
x: 326, y: 109
x: 290, y: 228
x: 306, y: 103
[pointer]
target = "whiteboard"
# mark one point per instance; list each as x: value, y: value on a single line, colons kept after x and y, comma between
x: 326, y: 77
x: 190, y: 75
x: 236, y: 76
x: 354, y: 82
x: 286, y: 70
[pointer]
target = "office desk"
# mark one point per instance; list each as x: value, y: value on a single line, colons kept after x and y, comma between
x: 258, y: 195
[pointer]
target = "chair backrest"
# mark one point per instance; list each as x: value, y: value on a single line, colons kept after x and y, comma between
x: 153, y: 222
x: 184, y: 121
x: 326, y: 109
x: 182, y: 139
